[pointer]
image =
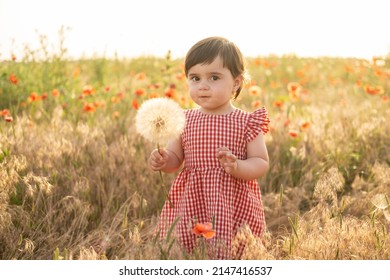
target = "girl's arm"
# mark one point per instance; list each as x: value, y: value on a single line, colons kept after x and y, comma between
x: 256, y: 164
x: 167, y: 160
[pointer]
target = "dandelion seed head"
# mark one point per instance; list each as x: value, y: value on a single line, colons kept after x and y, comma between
x: 160, y: 120
x: 380, y: 201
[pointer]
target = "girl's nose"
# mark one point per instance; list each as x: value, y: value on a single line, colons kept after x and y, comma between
x: 203, y: 85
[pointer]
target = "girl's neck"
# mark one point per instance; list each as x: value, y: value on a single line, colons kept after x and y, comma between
x: 225, y: 111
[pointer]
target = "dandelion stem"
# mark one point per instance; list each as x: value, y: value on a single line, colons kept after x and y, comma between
x: 162, y: 181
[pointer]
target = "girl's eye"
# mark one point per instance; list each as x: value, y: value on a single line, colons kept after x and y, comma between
x: 194, y: 78
x: 214, y: 78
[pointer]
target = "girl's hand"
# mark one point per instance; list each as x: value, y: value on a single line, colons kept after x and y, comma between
x: 227, y: 159
x: 158, y: 159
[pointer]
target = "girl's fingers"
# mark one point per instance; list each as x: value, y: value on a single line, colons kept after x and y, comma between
x: 227, y: 159
x: 231, y: 156
x: 158, y: 159
x: 224, y: 152
x: 160, y: 155
x: 221, y: 150
x: 227, y: 155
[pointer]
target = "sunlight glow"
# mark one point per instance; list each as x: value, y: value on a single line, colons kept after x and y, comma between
x: 150, y: 27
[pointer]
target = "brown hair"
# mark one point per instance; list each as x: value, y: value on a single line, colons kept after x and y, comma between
x: 206, y: 50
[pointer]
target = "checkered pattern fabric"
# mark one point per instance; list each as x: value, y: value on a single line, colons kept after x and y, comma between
x: 203, y: 192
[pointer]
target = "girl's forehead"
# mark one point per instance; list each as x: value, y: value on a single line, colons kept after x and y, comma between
x: 217, y: 63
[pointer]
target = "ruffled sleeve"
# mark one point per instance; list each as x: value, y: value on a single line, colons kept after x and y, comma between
x: 258, y: 122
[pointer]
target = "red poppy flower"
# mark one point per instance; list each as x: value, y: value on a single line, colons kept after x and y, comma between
x: 135, y: 104
x: 88, y: 90
x: 4, y: 112
x: 13, y: 79
x: 256, y: 104
x: 305, y: 125
x: 140, y: 92
x: 255, y: 90
x: 374, y: 90
x: 278, y: 103
x: 205, y: 230
x: 170, y: 92
x: 55, y: 92
x: 293, y: 133
x: 89, y: 107
x: 33, y: 97
x: 293, y: 87
x: 9, y: 119
x: 44, y: 96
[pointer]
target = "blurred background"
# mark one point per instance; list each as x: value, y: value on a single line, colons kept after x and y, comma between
x: 149, y: 27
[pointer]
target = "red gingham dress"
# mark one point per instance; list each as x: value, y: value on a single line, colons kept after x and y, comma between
x: 203, y: 192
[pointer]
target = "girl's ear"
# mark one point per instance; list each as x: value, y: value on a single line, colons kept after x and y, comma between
x: 237, y: 83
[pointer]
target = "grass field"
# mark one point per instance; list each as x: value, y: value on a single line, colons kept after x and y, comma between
x: 74, y: 183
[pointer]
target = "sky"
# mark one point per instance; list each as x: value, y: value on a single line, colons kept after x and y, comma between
x: 306, y: 28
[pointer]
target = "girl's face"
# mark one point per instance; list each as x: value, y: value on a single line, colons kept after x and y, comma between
x: 211, y: 86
